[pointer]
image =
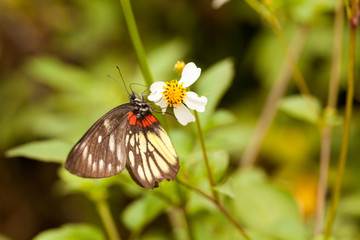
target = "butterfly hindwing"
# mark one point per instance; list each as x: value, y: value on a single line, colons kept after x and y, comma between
x: 100, y: 152
x: 151, y: 156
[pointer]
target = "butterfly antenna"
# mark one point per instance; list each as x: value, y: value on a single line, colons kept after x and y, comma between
x: 140, y: 94
x: 122, y: 85
x: 122, y: 79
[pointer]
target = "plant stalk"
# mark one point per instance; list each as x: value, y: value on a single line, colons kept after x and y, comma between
x: 270, y: 108
x: 219, y: 205
x: 135, y: 38
x: 329, y: 111
x: 108, y: 221
x: 206, y: 159
x: 346, y: 128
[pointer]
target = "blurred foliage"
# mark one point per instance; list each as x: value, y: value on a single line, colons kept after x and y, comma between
x: 54, y: 60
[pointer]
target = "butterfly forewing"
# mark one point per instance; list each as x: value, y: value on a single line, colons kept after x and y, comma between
x: 151, y: 156
x: 100, y: 152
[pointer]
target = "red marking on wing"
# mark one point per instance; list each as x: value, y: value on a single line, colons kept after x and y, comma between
x: 150, y: 119
x: 132, y: 118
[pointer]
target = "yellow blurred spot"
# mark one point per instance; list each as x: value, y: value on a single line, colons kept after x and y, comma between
x: 179, y: 66
x: 305, y: 188
x: 267, y: 2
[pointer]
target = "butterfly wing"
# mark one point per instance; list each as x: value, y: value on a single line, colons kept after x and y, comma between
x: 101, y: 151
x: 151, y: 156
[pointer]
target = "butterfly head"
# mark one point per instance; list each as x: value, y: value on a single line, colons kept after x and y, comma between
x: 139, y: 104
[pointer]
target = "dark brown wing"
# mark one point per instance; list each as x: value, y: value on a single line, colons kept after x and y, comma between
x: 151, y: 156
x: 101, y: 151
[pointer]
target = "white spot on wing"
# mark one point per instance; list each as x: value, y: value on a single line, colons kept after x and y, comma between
x: 132, y: 141
x: 118, y: 153
x: 109, y: 167
x: 141, y: 172
x: 99, y: 139
x: 132, y: 158
x: 112, y: 143
x: 147, y: 170
x: 107, y: 124
x: 154, y: 169
x: 94, y: 167
x: 101, y: 164
x: 89, y: 159
x: 127, y: 138
x: 85, y: 152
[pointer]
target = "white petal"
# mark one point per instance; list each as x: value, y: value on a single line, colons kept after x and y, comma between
x: 183, y: 115
x: 190, y: 74
x: 216, y: 4
x: 193, y: 101
x: 156, y: 91
x: 162, y: 104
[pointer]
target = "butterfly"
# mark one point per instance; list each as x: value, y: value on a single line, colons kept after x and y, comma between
x: 128, y: 135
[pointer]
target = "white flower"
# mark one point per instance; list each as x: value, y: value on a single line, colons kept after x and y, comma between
x: 174, y: 94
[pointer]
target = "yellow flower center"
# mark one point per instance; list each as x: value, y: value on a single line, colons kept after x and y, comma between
x: 174, y: 93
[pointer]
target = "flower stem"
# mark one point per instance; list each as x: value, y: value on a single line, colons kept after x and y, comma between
x: 105, y: 214
x: 219, y: 205
x: 330, y: 109
x: 135, y: 38
x: 346, y: 127
x: 203, y: 148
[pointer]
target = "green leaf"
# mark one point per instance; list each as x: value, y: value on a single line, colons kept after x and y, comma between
x: 220, y: 117
x: 213, y: 84
x: 302, y: 107
x: 58, y: 75
x: 265, y: 207
x: 72, y: 232
x: 142, y: 212
x: 349, y: 204
x: 92, y: 187
x: 226, y: 188
x: 218, y: 160
x: 46, y: 151
x: 233, y: 137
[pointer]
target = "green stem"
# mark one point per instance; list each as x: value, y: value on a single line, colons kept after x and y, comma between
x: 346, y: 130
x: 219, y: 205
x: 187, y: 222
x: 206, y: 159
x: 135, y: 38
x: 107, y: 219
x: 329, y: 111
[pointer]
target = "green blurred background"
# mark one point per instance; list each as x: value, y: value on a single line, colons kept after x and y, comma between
x: 54, y: 60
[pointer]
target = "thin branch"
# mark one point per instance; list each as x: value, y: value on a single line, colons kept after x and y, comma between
x: 135, y: 38
x: 346, y: 128
x: 268, y: 113
x: 219, y: 205
x: 329, y: 111
x: 206, y: 159
x: 107, y: 219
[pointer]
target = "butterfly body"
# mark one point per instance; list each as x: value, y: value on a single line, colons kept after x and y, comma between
x: 128, y: 135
